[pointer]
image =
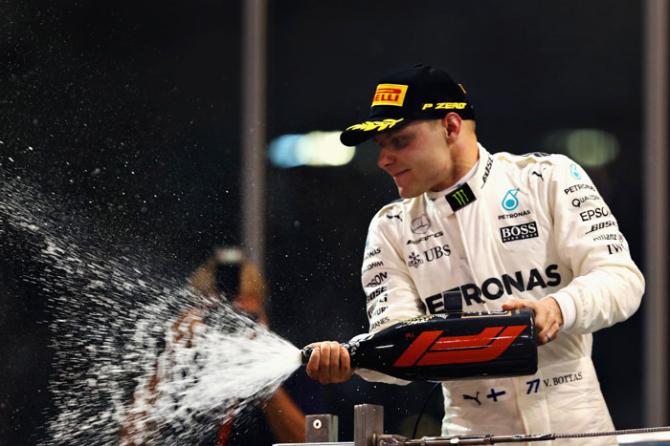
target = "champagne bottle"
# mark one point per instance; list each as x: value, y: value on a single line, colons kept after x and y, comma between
x: 444, y: 347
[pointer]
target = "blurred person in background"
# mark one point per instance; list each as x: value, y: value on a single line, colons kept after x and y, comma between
x: 476, y: 231
x: 228, y: 274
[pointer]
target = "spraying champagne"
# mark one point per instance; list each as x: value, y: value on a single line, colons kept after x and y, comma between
x: 446, y: 347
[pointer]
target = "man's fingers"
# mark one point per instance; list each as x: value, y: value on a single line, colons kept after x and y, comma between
x: 334, y: 357
x: 331, y: 366
x: 329, y: 363
x: 324, y: 365
x: 554, y: 308
x: 345, y: 359
x: 325, y: 355
x: 518, y: 304
x: 513, y: 305
x: 313, y: 363
x: 546, y: 322
x: 344, y: 371
x: 554, y: 331
x: 548, y: 333
x: 547, y: 317
x: 325, y: 362
x: 543, y: 337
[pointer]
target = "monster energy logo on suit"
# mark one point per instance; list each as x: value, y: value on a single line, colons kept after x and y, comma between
x: 460, y: 197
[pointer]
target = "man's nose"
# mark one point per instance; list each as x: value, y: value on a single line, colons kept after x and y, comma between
x: 385, y: 158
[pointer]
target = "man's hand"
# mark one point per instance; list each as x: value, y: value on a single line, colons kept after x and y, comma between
x: 330, y: 363
x: 548, y: 316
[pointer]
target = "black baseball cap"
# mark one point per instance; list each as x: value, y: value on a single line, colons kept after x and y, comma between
x: 408, y: 94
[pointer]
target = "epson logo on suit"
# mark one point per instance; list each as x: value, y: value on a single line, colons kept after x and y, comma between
x: 519, y: 232
x: 594, y: 213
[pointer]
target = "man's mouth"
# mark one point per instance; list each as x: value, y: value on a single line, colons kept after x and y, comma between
x: 398, y: 174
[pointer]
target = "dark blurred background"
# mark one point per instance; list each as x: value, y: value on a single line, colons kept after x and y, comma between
x: 129, y: 112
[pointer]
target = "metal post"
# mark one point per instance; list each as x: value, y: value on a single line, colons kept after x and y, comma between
x: 253, y: 129
x: 656, y: 208
x: 368, y: 422
x: 321, y: 428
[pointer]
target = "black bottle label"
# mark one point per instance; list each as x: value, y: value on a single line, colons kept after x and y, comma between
x: 440, y: 347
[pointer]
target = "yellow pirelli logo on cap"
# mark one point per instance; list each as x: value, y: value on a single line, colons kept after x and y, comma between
x: 389, y: 94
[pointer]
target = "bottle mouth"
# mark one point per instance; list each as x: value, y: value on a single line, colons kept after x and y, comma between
x: 305, y: 354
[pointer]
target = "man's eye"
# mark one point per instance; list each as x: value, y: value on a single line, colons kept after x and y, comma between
x: 400, y: 142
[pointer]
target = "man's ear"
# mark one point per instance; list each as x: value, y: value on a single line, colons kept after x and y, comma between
x: 452, y: 124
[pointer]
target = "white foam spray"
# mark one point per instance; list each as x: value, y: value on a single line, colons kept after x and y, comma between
x: 140, y: 359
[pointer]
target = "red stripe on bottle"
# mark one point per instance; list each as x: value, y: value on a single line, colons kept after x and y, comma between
x: 472, y: 341
x: 417, y: 348
x: 473, y: 355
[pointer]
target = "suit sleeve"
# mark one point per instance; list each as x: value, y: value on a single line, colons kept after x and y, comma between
x: 390, y: 293
x: 607, y: 286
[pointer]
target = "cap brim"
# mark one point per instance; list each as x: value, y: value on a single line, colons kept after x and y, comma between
x: 359, y: 133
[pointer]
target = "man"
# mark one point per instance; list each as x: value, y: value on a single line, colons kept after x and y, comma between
x: 229, y: 273
x: 226, y: 274
x: 482, y: 232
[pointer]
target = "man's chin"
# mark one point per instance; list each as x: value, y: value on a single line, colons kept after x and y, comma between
x: 407, y: 193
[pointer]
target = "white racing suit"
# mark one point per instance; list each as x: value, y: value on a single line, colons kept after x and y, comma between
x: 520, y: 227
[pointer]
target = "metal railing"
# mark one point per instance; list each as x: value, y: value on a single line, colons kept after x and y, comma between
x: 321, y: 430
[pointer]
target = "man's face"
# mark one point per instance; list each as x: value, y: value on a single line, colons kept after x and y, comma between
x: 253, y: 306
x: 416, y: 156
